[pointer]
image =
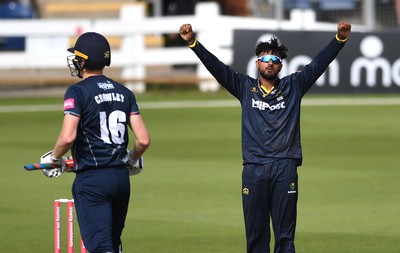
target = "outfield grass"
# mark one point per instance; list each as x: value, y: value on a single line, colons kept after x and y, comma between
x: 188, y: 198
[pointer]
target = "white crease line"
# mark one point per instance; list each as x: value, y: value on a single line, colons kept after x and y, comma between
x: 350, y: 101
x: 30, y: 108
x: 216, y: 103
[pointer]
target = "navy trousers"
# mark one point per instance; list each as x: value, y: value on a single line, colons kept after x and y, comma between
x: 270, y: 192
x: 101, y: 200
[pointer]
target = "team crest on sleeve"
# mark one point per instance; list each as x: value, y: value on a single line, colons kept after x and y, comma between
x: 69, y: 103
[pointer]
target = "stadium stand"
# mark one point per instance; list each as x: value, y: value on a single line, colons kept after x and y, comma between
x: 81, y: 9
x: 71, y: 9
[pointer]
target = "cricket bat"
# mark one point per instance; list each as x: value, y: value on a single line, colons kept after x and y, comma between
x: 47, y: 166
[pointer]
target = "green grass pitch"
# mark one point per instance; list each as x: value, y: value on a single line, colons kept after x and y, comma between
x: 188, y: 197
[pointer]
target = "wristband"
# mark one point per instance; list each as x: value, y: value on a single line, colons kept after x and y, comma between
x: 193, y: 44
x: 340, y: 40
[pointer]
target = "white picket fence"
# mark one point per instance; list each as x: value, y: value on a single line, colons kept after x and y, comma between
x: 47, y: 39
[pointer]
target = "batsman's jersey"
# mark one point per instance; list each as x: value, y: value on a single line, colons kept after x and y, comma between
x: 104, y: 108
x: 270, y: 123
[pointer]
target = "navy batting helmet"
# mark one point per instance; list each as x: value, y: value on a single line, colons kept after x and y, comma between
x: 92, y: 47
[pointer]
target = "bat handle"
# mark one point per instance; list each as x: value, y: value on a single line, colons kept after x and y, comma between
x: 46, y: 166
x: 38, y: 166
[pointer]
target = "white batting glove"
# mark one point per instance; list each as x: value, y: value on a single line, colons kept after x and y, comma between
x: 135, y: 166
x: 58, y: 163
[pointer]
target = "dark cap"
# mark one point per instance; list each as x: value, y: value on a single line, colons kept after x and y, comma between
x: 93, y: 47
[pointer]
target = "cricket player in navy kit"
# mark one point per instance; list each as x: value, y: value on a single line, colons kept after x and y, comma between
x: 98, y: 113
x: 271, y: 145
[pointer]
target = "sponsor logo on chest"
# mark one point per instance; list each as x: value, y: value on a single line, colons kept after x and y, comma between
x: 262, y: 106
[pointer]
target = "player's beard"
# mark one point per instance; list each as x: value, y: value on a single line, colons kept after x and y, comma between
x: 268, y: 76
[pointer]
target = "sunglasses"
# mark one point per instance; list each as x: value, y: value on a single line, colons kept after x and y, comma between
x: 268, y: 57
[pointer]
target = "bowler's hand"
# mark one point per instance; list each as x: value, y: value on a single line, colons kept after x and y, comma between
x: 186, y: 33
x: 343, y: 30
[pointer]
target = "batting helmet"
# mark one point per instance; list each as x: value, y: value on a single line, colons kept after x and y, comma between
x: 92, y: 47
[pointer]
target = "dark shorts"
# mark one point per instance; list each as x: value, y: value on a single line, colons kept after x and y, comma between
x: 101, y: 201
